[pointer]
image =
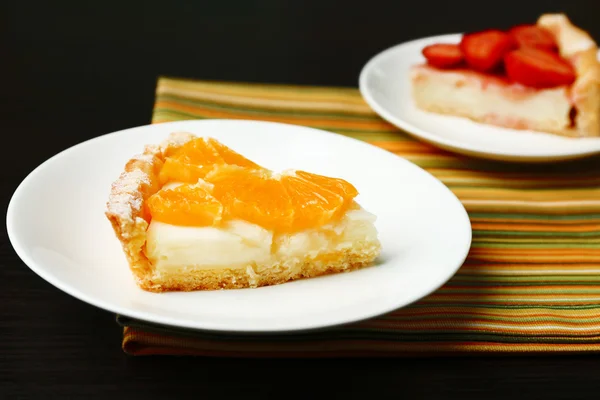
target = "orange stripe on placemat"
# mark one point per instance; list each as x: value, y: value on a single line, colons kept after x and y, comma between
x: 517, y: 221
x: 524, y: 227
x: 273, y: 103
x: 551, y: 267
x: 542, y: 252
x: 407, y: 147
x: 289, y: 119
x: 242, y: 90
x: 143, y: 343
x: 447, y: 312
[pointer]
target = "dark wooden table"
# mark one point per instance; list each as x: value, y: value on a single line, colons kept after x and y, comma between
x: 74, y: 71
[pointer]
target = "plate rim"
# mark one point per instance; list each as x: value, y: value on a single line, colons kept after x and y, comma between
x: 441, y: 142
x: 11, y: 225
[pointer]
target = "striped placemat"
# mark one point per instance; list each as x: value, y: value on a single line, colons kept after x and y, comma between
x: 531, y: 282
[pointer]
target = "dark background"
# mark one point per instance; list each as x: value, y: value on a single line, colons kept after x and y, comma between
x: 74, y: 70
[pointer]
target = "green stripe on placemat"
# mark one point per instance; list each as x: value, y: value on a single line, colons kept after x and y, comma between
x: 531, y: 282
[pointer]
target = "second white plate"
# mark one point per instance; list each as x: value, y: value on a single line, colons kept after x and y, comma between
x: 385, y: 85
x: 67, y: 240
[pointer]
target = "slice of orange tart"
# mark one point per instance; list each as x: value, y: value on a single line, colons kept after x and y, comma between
x: 192, y: 214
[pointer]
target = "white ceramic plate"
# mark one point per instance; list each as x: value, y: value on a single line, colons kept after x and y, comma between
x: 385, y: 85
x: 66, y: 239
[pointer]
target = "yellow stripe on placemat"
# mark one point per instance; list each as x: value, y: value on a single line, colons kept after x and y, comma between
x: 531, y: 282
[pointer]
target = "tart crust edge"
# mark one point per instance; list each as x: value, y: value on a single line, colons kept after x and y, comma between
x: 579, y: 47
x: 125, y: 208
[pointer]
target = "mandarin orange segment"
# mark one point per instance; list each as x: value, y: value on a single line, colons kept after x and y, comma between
x: 252, y: 195
x: 176, y: 170
x: 185, y: 205
x: 231, y: 157
x: 313, y: 204
x: 195, y: 158
x: 198, y: 151
x: 335, y: 185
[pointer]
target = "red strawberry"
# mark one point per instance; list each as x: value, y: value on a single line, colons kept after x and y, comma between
x: 485, y: 50
x: 533, y: 36
x: 443, y: 55
x: 538, y: 68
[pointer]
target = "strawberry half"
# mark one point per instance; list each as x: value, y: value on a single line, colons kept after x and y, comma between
x: 485, y: 50
x: 533, y: 36
x: 443, y: 55
x: 538, y: 68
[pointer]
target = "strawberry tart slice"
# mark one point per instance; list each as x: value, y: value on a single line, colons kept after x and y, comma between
x: 543, y: 77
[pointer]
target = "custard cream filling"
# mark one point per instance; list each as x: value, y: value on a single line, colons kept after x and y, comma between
x: 239, y: 244
x: 457, y: 92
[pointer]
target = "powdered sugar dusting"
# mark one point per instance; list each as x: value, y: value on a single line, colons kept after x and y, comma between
x: 177, y: 139
x: 125, y: 197
x: 143, y: 157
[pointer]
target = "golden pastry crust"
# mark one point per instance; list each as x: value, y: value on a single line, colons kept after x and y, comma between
x: 126, y: 210
x: 581, y: 50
